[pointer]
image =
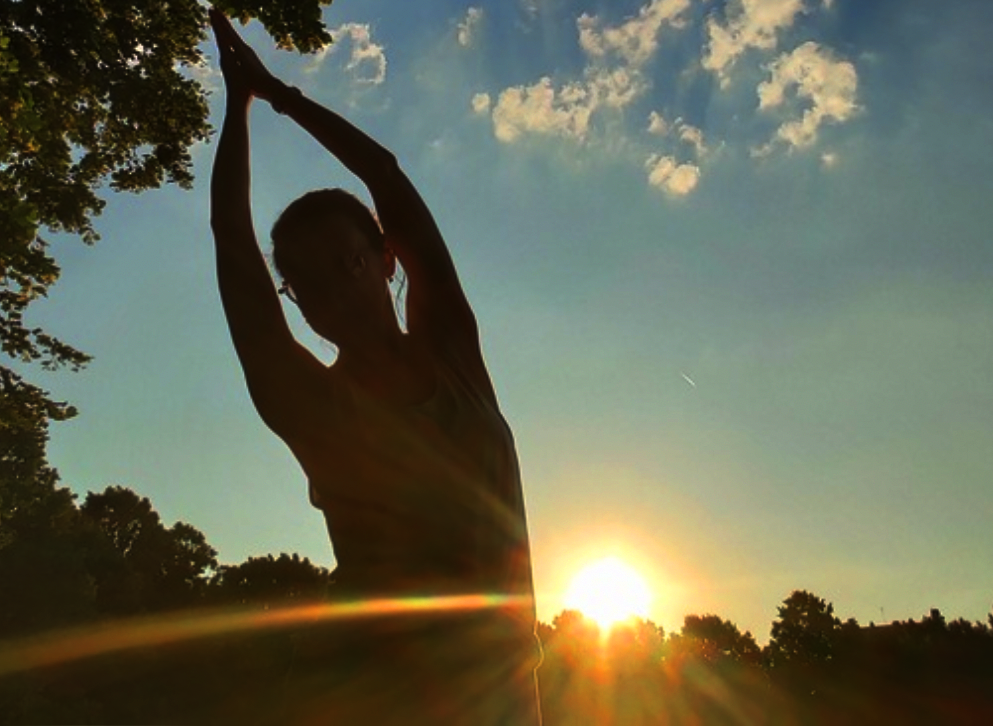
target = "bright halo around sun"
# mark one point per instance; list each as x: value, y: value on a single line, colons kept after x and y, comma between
x: 607, y: 592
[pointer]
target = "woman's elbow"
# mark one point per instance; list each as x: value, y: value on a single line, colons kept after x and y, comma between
x: 386, y: 167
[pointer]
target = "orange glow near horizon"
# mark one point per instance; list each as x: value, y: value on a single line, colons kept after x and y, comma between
x: 97, y: 639
x: 608, y: 591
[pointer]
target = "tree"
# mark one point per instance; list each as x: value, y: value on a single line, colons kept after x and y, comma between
x: 713, y: 640
x: 590, y: 675
x: 27, y: 482
x: 269, y: 581
x: 805, y: 632
x: 44, y: 578
x: 146, y: 566
x: 95, y: 92
x: 92, y: 93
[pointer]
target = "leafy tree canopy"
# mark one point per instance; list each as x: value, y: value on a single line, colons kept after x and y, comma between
x: 714, y: 640
x: 92, y: 93
x: 269, y: 581
x: 147, y: 566
x: 25, y: 476
x: 806, y: 631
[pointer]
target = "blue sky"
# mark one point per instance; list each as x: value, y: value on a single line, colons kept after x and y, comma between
x: 730, y: 262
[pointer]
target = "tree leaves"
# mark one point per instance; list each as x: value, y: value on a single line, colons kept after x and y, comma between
x: 291, y: 25
x: 92, y: 94
x: 269, y: 581
x: 153, y: 567
x: 27, y: 482
x: 805, y: 632
x: 714, y: 640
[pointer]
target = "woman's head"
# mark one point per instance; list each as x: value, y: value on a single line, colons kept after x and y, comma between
x: 330, y: 251
x: 322, y: 209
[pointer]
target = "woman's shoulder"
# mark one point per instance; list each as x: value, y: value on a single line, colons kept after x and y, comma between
x: 464, y: 364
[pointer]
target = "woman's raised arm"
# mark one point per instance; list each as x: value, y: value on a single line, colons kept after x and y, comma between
x: 436, y: 303
x: 275, y: 365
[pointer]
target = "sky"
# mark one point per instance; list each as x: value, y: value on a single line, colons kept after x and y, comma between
x: 731, y: 266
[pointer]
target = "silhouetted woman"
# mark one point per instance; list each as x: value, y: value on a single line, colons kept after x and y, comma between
x: 401, y: 438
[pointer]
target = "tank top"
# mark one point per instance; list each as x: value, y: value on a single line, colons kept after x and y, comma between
x: 424, y: 498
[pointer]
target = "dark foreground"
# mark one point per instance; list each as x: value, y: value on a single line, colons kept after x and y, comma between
x: 819, y: 672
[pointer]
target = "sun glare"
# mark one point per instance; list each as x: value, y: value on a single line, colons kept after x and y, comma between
x: 608, y: 591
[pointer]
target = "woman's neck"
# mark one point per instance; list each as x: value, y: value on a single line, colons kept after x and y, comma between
x: 393, y: 369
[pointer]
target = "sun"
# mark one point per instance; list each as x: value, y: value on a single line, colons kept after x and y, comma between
x: 608, y: 591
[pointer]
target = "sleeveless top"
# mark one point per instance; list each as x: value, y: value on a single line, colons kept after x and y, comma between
x: 424, y: 499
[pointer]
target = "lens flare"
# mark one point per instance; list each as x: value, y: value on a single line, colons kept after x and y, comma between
x: 104, y: 638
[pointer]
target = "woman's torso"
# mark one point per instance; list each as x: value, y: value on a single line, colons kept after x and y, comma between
x: 422, y: 499
x: 419, y: 497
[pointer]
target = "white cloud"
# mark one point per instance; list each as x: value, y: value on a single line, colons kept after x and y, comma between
x: 665, y: 171
x: 677, y: 130
x: 673, y: 178
x: 806, y: 87
x: 565, y: 111
x: 615, y: 88
x: 366, y: 60
x: 481, y: 103
x: 613, y: 79
x: 656, y: 124
x: 754, y: 24
x: 636, y: 40
x: 467, y: 29
x: 542, y: 109
x: 692, y: 136
x: 827, y: 85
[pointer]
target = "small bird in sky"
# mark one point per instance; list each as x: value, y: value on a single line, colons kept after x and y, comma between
x: 688, y: 379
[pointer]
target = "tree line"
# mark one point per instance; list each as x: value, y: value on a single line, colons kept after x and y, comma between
x: 68, y: 567
x: 815, y: 669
